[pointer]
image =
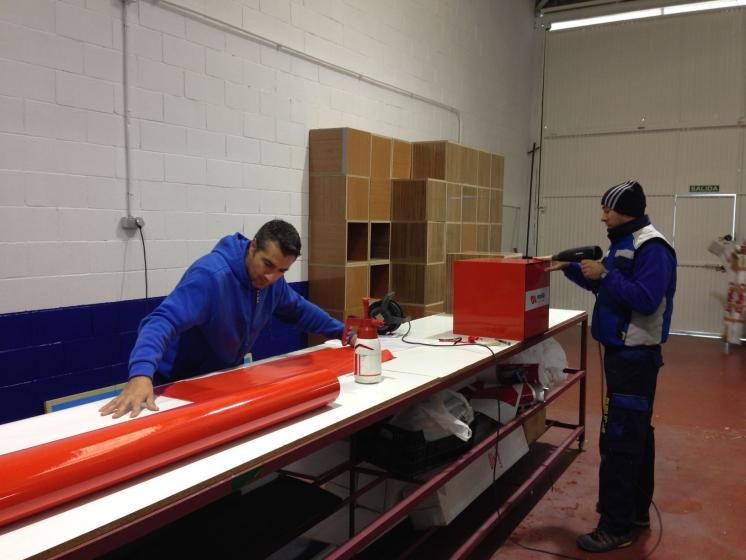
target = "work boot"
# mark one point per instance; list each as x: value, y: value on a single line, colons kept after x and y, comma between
x: 599, y: 540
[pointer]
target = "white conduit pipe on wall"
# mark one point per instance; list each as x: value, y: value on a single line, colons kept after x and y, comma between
x: 260, y: 39
x: 125, y: 110
x: 309, y: 58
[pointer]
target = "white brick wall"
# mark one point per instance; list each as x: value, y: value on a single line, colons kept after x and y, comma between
x: 219, y: 123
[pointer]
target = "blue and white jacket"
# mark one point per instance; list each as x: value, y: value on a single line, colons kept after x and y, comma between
x: 212, y: 318
x: 634, y: 301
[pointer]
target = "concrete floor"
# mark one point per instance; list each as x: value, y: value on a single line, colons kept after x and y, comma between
x: 700, y: 422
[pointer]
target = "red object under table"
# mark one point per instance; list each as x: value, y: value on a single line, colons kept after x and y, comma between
x: 224, y: 407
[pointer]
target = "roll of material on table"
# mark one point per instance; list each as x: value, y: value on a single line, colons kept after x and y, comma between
x: 223, y: 407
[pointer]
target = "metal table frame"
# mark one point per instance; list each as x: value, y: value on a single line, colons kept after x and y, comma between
x: 113, y: 535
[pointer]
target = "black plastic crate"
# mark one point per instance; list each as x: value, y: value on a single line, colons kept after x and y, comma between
x: 403, y: 452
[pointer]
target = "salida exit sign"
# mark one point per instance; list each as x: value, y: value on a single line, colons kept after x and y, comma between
x: 704, y: 188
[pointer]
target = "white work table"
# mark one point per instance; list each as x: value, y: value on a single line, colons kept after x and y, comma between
x: 94, y: 524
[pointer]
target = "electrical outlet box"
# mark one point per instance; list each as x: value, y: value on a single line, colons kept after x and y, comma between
x: 132, y: 222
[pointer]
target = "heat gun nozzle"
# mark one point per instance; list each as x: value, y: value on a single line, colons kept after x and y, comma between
x: 590, y: 252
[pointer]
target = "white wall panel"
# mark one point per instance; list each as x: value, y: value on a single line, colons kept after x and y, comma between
x: 662, y: 101
x: 566, y: 223
x: 661, y: 212
x: 658, y: 73
x: 711, y: 156
x: 699, y: 221
x: 511, y: 230
x: 570, y: 222
x: 712, y: 58
x: 588, y: 165
x: 698, y: 305
x: 564, y: 294
x: 589, y: 84
x: 219, y: 122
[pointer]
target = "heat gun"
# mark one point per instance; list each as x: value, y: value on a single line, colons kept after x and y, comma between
x: 577, y: 254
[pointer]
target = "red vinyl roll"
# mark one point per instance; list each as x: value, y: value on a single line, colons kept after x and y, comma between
x: 225, y: 406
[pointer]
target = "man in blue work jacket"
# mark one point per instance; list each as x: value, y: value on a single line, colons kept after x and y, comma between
x: 634, y: 287
x: 212, y: 318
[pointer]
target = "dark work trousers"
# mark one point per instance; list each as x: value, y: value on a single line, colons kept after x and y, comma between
x: 627, y: 443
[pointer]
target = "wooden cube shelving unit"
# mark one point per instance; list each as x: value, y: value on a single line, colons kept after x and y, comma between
x: 350, y: 173
x: 424, y: 232
x: 385, y: 214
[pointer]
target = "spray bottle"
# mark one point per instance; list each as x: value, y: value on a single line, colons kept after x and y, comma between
x: 367, y: 346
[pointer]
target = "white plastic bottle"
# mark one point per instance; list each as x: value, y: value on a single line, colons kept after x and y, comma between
x: 367, y: 347
x: 367, y: 359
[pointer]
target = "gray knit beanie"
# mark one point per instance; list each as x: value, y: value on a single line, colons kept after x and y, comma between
x: 625, y: 198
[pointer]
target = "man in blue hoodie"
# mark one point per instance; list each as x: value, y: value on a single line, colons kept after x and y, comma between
x: 634, y: 287
x: 212, y: 318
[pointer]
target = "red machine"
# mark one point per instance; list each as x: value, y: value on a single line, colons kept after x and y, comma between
x: 500, y: 298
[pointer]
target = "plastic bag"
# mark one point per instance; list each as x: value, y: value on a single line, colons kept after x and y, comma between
x: 444, y: 414
x: 554, y: 362
x: 551, y: 358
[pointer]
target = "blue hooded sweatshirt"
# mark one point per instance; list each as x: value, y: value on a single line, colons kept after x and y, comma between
x: 212, y: 318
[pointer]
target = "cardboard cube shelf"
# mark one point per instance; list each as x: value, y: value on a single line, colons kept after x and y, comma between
x: 453, y: 237
x: 418, y: 200
x: 483, y: 205
x: 429, y: 160
x: 455, y: 163
x: 418, y: 283
x: 380, y: 240
x: 468, y: 237
x: 379, y: 280
x: 453, y: 202
x: 483, y: 237
x: 468, y: 204
x: 326, y: 286
x: 380, y: 199
x: 484, y: 169
x: 339, y: 197
x: 418, y: 310
x: 326, y: 242
x: 357, y: 241
x: 339, y: 289
x: 496, y: 231
x: 380, y: 158
x: 401, y: 160
x: 343, y: 151
x: 496, y: 206
x: 384, y: 213
x: 418, y: 242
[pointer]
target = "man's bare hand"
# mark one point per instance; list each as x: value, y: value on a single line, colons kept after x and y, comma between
x: 591, y: 269
x: 556, y: 265
x: 137, y: 392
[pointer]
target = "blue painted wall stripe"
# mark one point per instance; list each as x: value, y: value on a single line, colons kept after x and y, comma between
x: 52, y: 353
